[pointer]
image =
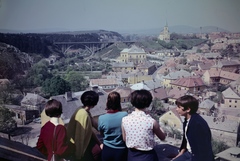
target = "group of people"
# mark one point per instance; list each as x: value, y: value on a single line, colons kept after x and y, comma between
x: 126, y: 137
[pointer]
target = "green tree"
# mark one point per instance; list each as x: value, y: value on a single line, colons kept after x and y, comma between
x: 7, y: 123
x: 55, y: 86
x: 76, y: 81
x: 20, y: 83
x: 157, y: 108
x: 6, y: 91
x: 38, y: 74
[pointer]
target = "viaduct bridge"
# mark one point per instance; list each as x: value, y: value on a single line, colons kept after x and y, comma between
x: 91, y: 47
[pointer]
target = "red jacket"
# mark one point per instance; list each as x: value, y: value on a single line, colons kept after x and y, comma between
x: 44, y: 144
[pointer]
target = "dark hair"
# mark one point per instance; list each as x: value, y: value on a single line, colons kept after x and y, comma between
x: 186, y: 102
x: 141, y: 98
x: 89, y: 98
x: 53, y: 108
x: 113, y: 101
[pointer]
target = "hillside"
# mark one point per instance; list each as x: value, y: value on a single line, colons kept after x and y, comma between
x: 12, y: 61
x: 43, y: 44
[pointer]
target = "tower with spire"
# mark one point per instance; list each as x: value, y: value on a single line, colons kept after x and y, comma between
x: 165, y: 34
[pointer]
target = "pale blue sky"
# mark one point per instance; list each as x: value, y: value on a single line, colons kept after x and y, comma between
x: 117, y: 15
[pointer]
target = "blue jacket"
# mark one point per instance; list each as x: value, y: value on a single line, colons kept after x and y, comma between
x: 199, y: 137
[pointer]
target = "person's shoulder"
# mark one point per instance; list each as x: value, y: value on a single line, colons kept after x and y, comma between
x: 125, y: 117
x: 61, y: 127
x: 198, y: 119
x: 102, y: 116
x: 124, y: 113
x: 47, y: 124
x: 81, y: 111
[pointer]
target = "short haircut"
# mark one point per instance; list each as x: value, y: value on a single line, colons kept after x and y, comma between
x: 188, y: 101
x: 113, y: 101
x: 89, y: 98
x: 53, y: 108
x: 141, y: 98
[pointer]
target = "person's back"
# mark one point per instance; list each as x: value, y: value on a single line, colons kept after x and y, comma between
x: 109, y: 125
x: 80, y: 132
x: 112, y: 132
x: 53, y: 136
x: 139, y: 129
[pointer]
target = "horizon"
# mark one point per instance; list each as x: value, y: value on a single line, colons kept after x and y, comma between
x: 180, y: 29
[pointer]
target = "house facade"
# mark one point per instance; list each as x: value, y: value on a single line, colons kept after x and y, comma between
x: 134, y: 54
x: 172, y: 119
x: 230, y: 98
x: 32, y: 101
x: 194, y: 85
x: 105, y: 84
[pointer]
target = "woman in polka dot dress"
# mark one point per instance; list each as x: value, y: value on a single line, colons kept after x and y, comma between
x: 139, y: 128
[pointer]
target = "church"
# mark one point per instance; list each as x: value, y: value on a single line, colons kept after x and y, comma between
x: 165, y: 34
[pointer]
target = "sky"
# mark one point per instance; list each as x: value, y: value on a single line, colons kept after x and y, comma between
x: 117, y: 15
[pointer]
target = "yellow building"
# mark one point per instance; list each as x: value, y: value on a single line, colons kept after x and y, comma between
x: 123, y: 66
x: 231, y: 99
x: 172, y: 119
x: 134, y: 54
x: 139, y: 77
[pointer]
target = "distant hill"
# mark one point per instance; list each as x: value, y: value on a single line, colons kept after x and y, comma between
x: 181, y: 29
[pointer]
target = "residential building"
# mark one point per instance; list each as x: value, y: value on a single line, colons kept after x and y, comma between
x: 206, y: 107
x: 160, y: 93
x: 235, y: 85
x: 230, y: 98
x: 147, y: 67
x: 227, y: 65
x: 134, y: 54
x: 171, y: 119
x: 22, y: 115
x: 105, y: 84
x: 218, y: 47
x: 33, y: 101
x: 172, y: 76
x: 216, y: 76
x: 123, y: 66
x: 174, y: 94
x: 194, y: 85
x: 168, y: 53
x: 205, y: 65
x: 124, y: 93
x: 138, y: 77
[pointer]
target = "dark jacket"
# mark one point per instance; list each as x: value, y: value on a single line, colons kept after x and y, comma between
x: 199, y: 137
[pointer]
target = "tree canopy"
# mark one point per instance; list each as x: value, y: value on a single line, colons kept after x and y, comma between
x: 55, y: 86
x: 76, y: 81
x: 7, y: 123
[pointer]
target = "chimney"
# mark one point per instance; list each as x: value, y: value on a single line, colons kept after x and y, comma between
x: 68, y: 96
